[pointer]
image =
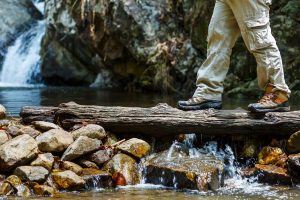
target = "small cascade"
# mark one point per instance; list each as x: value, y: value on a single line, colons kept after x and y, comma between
x: 21, y: 66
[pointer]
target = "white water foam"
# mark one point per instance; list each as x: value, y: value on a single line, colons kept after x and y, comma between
x: 21, y: 66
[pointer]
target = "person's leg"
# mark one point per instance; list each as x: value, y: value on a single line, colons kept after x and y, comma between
x: 253, y: 19
x: 223, y: 32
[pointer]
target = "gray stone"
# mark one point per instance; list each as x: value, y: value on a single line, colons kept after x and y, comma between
x: 32, y: 173
x: 91, y: 130
x: 87, y: 164
x: 67, y: 165
x: 3, y: 137
x: 136, y: 147
x: 82, y: 146
x: 45, y: 160
x: 17, y: 151
x: 200, y: 173
x: 95, y: 178
x: 125, y: 166
x: 294, y: 166
x: 68, y: 180
x: 44, y: 126
x: 54, y: 140
x: 101, y: 156
x: 28, y: 130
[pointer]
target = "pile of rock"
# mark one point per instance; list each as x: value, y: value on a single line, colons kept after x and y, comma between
x: 278, y: 163
x: 43, y: 159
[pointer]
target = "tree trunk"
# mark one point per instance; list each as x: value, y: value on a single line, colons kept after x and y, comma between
x: 163, y: 120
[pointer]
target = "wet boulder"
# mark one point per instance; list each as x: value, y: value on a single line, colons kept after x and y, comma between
x: 6, y: 189
x: 126, y: 166
x: 87, y: 164
x: 135, y: 147
x: 31, y: 173
x: 3, y: 137
x: 82, y: 146
x: 272, y: 174
x: 45, y: 160
x: 293, y: 143
x: 44, y: 126
x: 29, y: 131
x: 202, y: 173
x: 272, y: 155
x: 17, y: 151
x: 101, y: 156
x: 67, y: 165
x: 68, y: 180
x: 54, y: 140
x: 43, y: 190
x: 91, y: 130
x: 95, y: 178
x: 294, y: 166
x: 21, y: 189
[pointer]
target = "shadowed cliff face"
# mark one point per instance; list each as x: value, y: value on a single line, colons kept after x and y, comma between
x: 156, y: 45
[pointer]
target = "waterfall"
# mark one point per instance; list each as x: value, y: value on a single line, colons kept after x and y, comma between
x: 21, y: 66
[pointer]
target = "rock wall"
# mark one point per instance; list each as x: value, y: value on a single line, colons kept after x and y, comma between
x: 16, y: 16
x: 153, y: 45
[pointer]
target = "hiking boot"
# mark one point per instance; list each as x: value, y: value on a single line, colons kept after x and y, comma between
x: 272, y: 101
x: 199, y: 103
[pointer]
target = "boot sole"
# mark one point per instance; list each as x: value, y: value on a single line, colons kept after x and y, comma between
x: 204, y: 106
x: 278, y: 109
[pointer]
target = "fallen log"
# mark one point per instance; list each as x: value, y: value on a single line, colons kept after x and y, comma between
x: 163, y: 120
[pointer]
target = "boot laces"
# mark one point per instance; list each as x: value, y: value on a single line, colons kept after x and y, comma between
x: 267, y: 97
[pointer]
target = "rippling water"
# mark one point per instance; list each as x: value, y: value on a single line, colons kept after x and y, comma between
x: 15, y: 98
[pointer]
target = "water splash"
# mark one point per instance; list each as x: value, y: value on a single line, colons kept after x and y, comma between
x: 21, y: 66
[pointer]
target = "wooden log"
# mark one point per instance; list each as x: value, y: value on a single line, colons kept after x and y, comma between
x: 163, y: 120
x: 37, y: 113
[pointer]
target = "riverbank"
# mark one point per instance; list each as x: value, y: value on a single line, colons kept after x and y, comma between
x: 42, y: 159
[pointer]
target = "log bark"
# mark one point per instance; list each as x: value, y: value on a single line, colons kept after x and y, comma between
x: 37, y: 113
x: 163, y: 120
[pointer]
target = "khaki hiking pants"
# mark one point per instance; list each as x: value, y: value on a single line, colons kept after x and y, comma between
x: 230, y: 18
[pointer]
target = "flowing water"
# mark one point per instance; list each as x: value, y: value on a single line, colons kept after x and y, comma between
x: 20, y: 86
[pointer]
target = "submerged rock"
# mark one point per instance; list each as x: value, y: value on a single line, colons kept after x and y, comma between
x: 68, y: 180
x: 293, y: 143
x: 135, y: 147
x: 44, y: 126
x: 97, y: 178
x: 54, y: 140
x: 91, y: 130
x: 23, y: 191
x: 31, y: 173
x: 82, y: 146
x: 17, y: 151
x: 272, y: 174
x: 45, y: 160
x: 184, y: 172
x: 272, y: 155
x: 125, y: 165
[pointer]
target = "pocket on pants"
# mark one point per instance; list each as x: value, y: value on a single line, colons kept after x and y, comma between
x: 259, y: 33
